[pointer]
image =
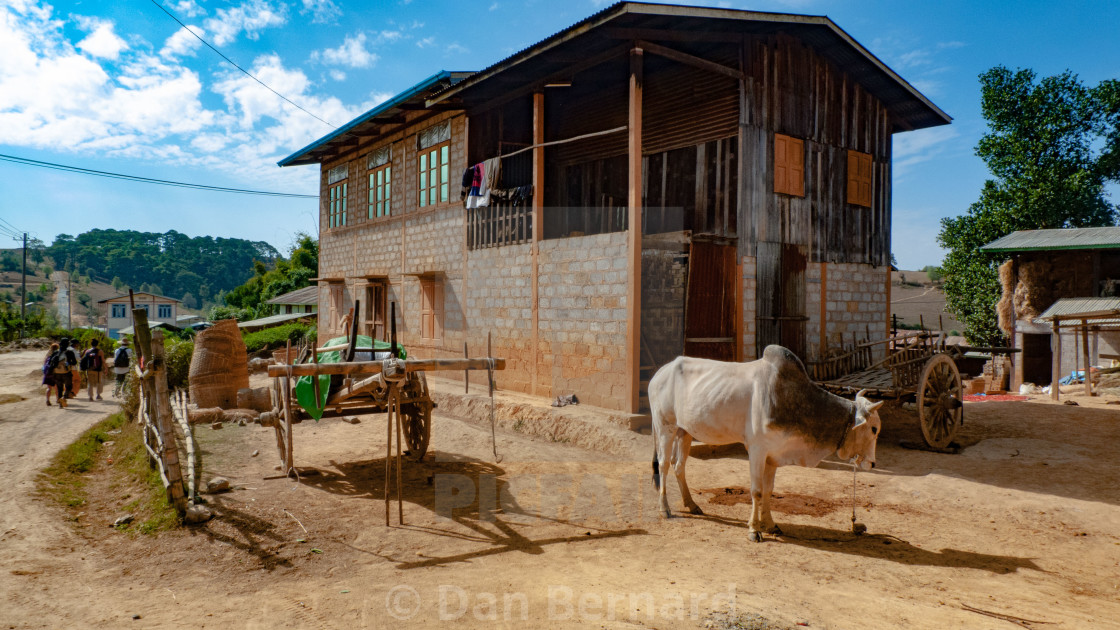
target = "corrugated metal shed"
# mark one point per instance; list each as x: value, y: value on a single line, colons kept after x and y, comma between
x: 1082, y: 308
x: 275, y: 319
x: 1046, y: 240
x: 304, y: 296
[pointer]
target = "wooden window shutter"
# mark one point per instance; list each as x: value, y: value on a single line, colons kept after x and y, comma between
x: 859, y: 178
x: 789, y: 165
x: 437, y: 309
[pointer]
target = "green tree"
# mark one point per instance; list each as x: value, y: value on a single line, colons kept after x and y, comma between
x: 189, y: 301
x: 118, y: 284
x: 1044, y: 150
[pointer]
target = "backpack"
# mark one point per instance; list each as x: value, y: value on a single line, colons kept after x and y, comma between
x: 120, y: 358
x: 58, y: 360
x: 91, y: 360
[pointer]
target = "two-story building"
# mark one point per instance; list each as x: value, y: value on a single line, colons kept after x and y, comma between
x: 117, y: 315
x: 654, y: 180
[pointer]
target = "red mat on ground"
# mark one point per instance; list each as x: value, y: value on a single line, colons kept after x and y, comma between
x: 995, y: 398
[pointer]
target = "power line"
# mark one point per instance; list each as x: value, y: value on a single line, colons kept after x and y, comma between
x: 148, y: 180
x: 234, y: 64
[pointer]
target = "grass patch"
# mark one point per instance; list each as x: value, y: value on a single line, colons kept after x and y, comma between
x: 103, y: 461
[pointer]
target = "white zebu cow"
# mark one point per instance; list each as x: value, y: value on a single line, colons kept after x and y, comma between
x: 770, y: 406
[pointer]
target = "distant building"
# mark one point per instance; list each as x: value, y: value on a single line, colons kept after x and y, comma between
x: 1065, y: 280
x: 305, y: 300
x: 117, y: 314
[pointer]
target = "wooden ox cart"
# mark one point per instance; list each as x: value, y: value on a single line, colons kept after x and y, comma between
x: 375, y: 378
x: 917, y: 367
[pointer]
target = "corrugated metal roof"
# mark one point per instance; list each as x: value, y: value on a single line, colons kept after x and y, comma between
x: 905, y: 103
x: 1044, y: 240
x: 417, y: 93
x: 136, y: 294
x: 1082, y: 308
x: 304, y: 296
x: 274, y: 319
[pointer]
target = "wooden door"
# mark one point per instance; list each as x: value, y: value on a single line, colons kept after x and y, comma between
x: 709, y: 330
x: 1037, y: 358
x: 374, y: 315
x: 780, y: 297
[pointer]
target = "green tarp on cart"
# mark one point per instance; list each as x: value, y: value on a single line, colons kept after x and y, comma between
x: 305, y: 389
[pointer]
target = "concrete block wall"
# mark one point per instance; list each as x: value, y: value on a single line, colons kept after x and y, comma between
x: 500, y: 300
x: 750, y: 350
x: 582, y: 319
x: 855, y: 300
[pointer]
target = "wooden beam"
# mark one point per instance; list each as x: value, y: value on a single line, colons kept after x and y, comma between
x: 538, y: 228
x: 1085, y: 352
x: 1056, y: 360
x: 634, y: 232
x: 374, y: 367
x: 565, y: 73
x: 690, y: 60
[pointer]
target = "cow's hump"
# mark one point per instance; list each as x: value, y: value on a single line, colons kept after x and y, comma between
x: 789, y: 366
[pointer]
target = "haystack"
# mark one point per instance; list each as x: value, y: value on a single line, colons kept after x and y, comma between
x: 1034, y: 290
x: 219, y: 366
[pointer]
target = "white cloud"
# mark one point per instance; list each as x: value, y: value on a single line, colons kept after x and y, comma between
x: 337, y: 74
x: 322, y: 11
x: 494, y: 7
x: 101, y: 42
x: 456, y: 49
x: 252, y: 17
x: 427, y: 41
x: 187, y: 8
x: 352, y: 53
x: 915, y: 147
x: 182, y: 43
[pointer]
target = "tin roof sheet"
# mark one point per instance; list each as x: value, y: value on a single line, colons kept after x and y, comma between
x: 306, y: 295
x: 1068, y: 238
x: 1083, y: 308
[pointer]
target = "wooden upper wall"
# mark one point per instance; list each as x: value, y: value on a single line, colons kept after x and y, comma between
x: 793, y: 91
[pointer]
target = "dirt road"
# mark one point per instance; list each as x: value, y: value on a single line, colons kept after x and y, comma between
x: 1023, y: 523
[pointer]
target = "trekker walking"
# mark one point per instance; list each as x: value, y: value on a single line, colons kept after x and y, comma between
x: 71, y: 364
x: 60, y: 365
x: 121, y: 359
x: 93, y: 364
x: 48, y: 374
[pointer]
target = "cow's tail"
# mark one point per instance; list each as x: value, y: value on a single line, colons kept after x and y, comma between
x: 656, y: 470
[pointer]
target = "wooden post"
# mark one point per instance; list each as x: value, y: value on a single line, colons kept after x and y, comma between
x: 161, y: 405
x: 1056, y: 360
x: 466, y: 373
x: 538, y: 231
x: 634, y: 231
x: 1085, y: 352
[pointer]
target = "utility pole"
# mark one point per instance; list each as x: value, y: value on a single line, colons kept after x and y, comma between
x: 69, y: 300
x: 23, y: 291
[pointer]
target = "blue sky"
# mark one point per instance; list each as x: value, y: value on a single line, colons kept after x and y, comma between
x: 118, y: 86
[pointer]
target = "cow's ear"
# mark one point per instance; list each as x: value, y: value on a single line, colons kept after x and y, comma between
x: 860, y: 420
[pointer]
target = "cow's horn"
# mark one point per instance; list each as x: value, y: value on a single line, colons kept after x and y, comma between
x: 861, y: 393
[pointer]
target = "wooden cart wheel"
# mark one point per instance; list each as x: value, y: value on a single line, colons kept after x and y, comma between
x: 283, y: 426
x: 939, y: 398
x: 417, y: 416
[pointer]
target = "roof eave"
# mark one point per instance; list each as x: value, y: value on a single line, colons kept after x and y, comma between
x: 620, y: 9
x: 301, y: 156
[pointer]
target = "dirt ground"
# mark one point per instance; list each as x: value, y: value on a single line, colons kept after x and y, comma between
x: 1024, y: 522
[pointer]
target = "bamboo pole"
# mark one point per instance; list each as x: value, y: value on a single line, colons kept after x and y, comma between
x: 1085, y: 352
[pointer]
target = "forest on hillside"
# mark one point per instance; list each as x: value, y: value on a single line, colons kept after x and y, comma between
x: 194, y: 269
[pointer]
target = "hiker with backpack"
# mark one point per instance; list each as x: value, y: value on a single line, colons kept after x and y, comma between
x: 71, y: 367
x: 59, y: 365
x: 121, y: 359
x: 93, y: 364
x: 48, y: 374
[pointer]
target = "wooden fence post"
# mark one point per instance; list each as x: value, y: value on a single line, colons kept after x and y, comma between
x: 164, y: 423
